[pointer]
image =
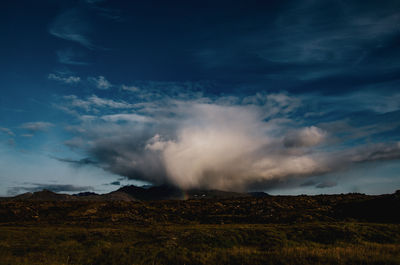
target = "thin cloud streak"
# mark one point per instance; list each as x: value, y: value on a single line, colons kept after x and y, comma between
x: 100, y: 82
x: 71, y: 26
x: 36, y: 126
x: 7, y: 131
x: 70, y: 57
x: 71, y: 80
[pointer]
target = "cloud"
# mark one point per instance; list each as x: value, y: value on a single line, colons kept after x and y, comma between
x: 308, y: 183
x: 228, y: 148
x: 205, y: 145
x: 376, y: 152
x: 317, y: 34
x: 116, y: 183
x: 306, y: 137
x: 130, y: 88
x: 112, y: 14
x: 228, y: 143
x: 377, y: 102
x: 75, y: 102
x: 72, y: 26
x: 92, y: 103
x: 108, y: 103
x: 161, y: 90
x: 36, y: 126
x: 7, y: 131
x: 373, y: 99
x: 68, y: 56
x: 274, y: 103
x: 100, y: 82
x: 326, y: 184
x: 67, y: 80
x: 333, y: 47
x: 126, y: 117
x: 80, y: 162
x: 94, y: 1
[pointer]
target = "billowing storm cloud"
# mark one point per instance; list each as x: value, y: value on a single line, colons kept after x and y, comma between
x: 228, y: 148
x: 222, y: 143
x: 204, y: 144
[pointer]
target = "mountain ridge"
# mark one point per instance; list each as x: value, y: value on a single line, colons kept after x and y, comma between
x: 134, y: 193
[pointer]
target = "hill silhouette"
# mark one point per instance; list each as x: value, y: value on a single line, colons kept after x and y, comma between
x: 170, y: 204
x: 135, y: 193
x: 165, y: 225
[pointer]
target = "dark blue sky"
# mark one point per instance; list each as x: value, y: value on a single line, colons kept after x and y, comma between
x: 284, y: 96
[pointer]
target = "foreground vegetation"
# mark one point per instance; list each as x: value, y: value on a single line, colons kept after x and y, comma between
x: 310, y: 243
x: 337, y: 229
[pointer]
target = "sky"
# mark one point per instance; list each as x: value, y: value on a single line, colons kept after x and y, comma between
x: 286, y: 97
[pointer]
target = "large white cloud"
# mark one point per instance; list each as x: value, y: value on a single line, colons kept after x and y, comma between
x: 228, y: 148
x: 222, y: 143
x: 197, y: 144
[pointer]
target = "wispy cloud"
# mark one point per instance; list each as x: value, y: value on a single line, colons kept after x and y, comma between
x: 130, y: 88
x: 306, y: 42
x: 7, y: 131
x: 102, y: 10
x: 93, y: 103
x: 36, y: 126
x: 315, y: 38
x: 68, y: 56
x: 153, y: 90
x: 64, y: 79
x: 72, y: 26
x: 108, y: 103
x: 308, y: 183
x: 80, y: 162
x: 116, y: 183
x: 326, y: 184
x: 130, y: 117
x: 100, y: 82
x: 94, y: 1
x: 376, y: 152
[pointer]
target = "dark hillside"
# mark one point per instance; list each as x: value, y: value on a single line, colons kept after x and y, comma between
x: 135, y: 226
x: 131, y: 205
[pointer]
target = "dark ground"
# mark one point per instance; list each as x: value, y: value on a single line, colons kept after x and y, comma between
x: 325, y: 229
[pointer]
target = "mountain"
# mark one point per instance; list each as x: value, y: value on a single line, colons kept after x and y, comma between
x: 85, y: 194
x: 44, y: 195
x: 121, y: 206
x: 258, y: 194
x: 135, y: 193
x: 163, y: 192
x: 168, y: 192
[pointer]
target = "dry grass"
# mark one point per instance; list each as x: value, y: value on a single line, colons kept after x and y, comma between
x: 355, y: 243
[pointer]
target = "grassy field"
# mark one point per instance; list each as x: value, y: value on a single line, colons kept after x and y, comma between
x: 306, y: 243
x: 324, y: 229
